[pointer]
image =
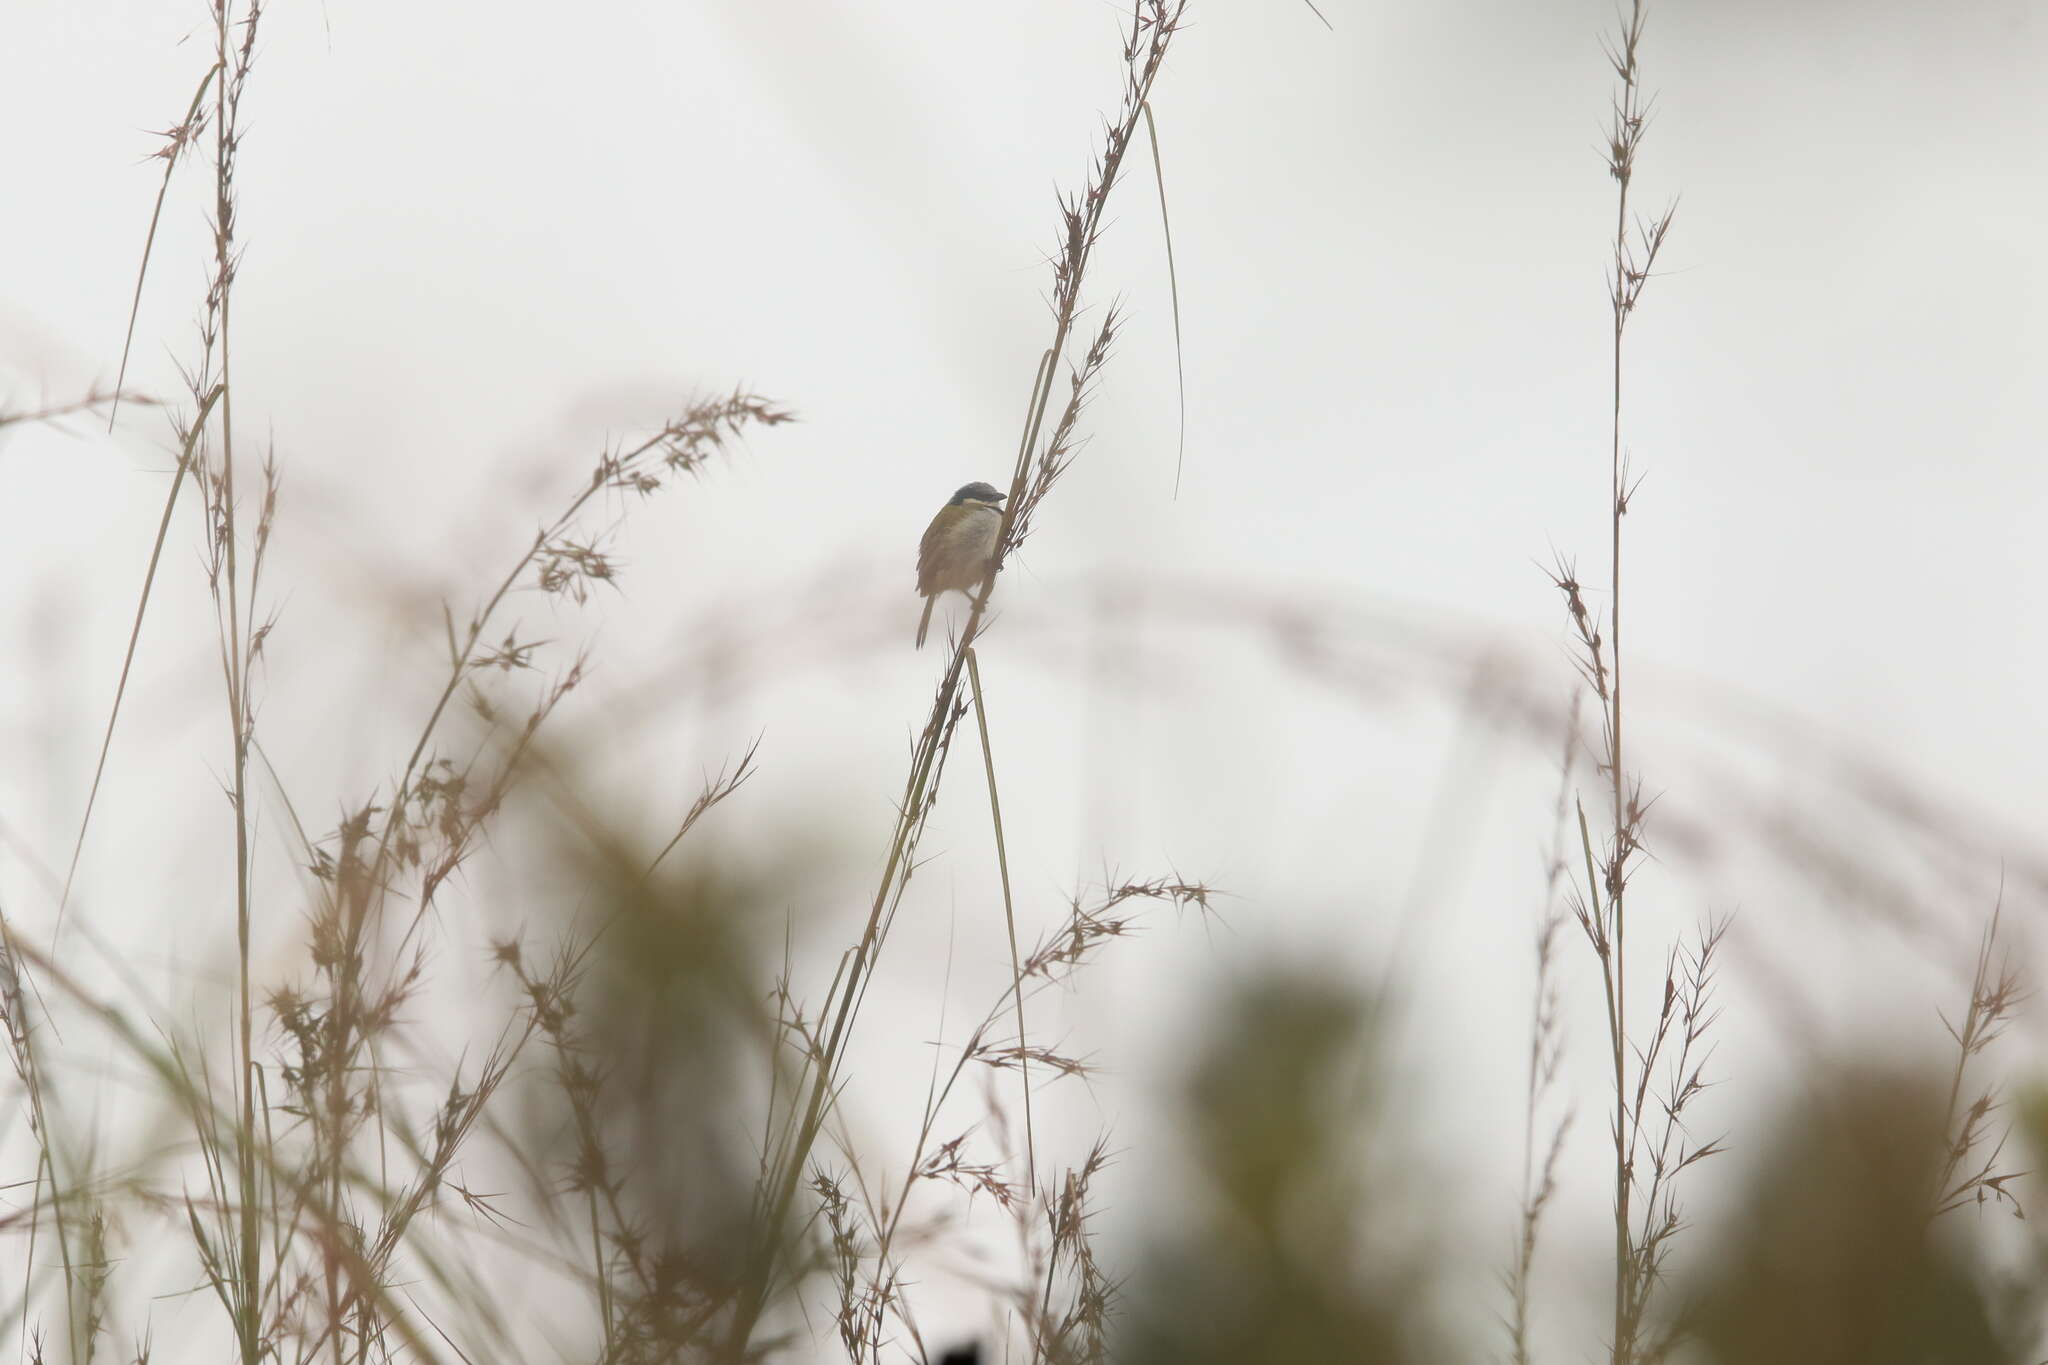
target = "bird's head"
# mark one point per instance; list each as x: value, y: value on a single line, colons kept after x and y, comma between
x: 978, y: 492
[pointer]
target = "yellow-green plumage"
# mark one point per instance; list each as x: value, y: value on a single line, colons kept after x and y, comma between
x: 955, y: 552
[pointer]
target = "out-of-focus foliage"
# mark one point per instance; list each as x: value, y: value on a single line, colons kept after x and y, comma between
x: 661, y: 1038
x: 1299, y: 1237
x: 1835, y: 1257
x: 1278, y: 1249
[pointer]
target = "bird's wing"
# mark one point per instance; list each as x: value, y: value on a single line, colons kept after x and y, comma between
x: 928, y: 553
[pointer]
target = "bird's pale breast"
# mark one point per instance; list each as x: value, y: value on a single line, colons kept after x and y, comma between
x: 961, y: 556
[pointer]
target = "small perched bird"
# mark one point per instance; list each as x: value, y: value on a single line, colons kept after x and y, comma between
x: 957, y: 546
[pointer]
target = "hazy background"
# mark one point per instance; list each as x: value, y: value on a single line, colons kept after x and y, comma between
x: 479, y: 245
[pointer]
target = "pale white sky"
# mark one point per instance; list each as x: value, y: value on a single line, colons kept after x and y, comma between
x: 475, y: 248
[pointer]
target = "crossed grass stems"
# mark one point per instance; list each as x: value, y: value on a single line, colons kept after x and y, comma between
x: 278, y: 1228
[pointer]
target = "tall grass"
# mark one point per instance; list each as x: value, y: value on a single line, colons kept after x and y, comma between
x: 657, y: 1127
x: 1646, y: 1211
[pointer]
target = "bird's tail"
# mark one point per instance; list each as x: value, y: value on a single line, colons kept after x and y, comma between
x: 925, y: 622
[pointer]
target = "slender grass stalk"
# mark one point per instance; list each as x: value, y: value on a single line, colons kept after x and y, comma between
x: 1997, y: 989
x: 237, y: 1262
x: 1622, y: 166
x: 192, y: 435
x: 1634, y: 254
x: 176, y: 138
x: 1546, y: 1054
x: 93, y: 398
x: 233, y: 66
x: 995, y: 810
x: 1180, y: 371
x: 28, y: 1066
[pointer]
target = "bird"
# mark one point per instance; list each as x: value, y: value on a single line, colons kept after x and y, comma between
x: 955, y: 552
